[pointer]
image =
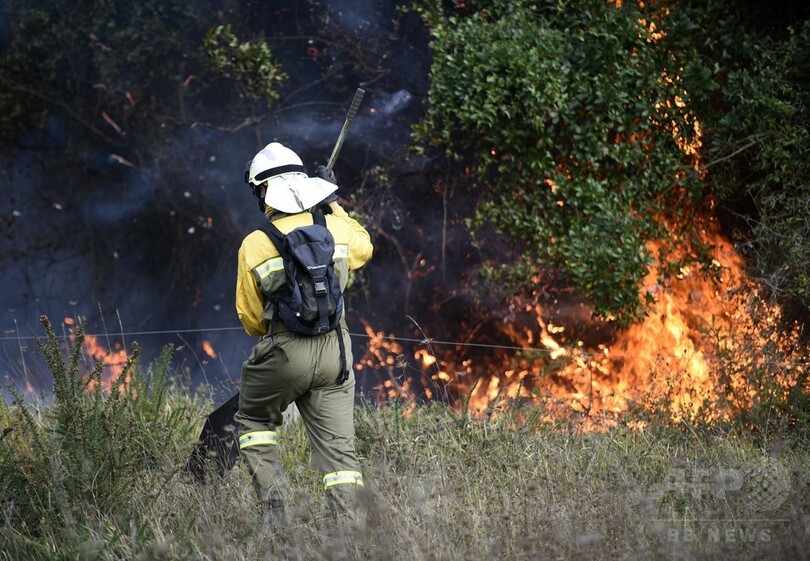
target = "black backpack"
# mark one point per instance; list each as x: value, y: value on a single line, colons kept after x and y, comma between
x: 312, y: 303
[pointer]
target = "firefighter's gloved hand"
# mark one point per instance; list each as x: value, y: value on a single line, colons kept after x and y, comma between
x: 331, y: 198
x: 329, y: 175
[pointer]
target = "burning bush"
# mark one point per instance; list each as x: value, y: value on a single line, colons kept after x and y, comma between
x: 709, y: 352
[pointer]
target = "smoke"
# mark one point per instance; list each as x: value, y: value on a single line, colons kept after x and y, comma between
x: 374, y: 26
x: 145, y: 240
x: 123, y: 200
x: 361, y: 18
x: 391, y: 104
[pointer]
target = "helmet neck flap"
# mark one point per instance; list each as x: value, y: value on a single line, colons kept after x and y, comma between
x: 288, y: 188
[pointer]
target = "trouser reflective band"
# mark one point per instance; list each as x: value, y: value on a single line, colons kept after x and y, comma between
x: 257, y: 438
x: 340, y: 477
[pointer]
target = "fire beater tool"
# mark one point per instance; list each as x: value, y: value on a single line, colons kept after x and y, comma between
x: 352, y: 113
x: 217, y: 450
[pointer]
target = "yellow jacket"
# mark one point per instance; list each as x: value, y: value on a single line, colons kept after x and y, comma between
x: 259, y: 261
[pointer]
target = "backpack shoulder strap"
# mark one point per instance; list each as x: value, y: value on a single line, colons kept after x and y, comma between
x: 318, y: 217
x: 277, y: 239
x: 275, y: 236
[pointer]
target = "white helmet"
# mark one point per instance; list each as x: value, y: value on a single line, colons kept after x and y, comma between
x: 289, y: 188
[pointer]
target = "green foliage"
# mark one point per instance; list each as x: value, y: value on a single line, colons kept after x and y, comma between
x: 759, y: 155
x: 90, y: 448
x: 757, y: 133
x: 249, y: 62
x: 86, y: 57
x: 569, y: 117
x: 124, y: 73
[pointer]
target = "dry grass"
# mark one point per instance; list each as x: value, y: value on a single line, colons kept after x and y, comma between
x: 439, y: 486
x: 442, y: 488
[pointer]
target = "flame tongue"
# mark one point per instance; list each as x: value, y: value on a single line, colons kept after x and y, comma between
x: 114, y: 359
x: 677, y: 358
x: 209, y: 350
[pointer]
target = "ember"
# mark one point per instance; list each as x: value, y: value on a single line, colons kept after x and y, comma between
x: 208, y: 349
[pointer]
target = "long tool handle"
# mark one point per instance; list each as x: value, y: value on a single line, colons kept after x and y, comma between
x: 358, y: 98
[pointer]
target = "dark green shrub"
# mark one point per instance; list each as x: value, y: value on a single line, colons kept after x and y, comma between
x: 84, y: 454
x: 573, y: 134
x: 761, y: 169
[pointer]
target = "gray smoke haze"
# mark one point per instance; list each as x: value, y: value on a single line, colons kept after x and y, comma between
x: 124, y: 241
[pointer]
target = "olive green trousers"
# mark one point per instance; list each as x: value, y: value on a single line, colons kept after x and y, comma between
x: 288, y: 368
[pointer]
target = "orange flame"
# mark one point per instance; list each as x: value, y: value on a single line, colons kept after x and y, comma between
x: 385, y: 353
x: 673, y: 358
x: 208, y: 349
x: 114, y: 360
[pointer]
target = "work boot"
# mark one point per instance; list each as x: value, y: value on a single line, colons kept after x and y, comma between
x: 274, y: 515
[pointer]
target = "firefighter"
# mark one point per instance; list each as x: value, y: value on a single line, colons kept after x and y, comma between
x: 285, y: 367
